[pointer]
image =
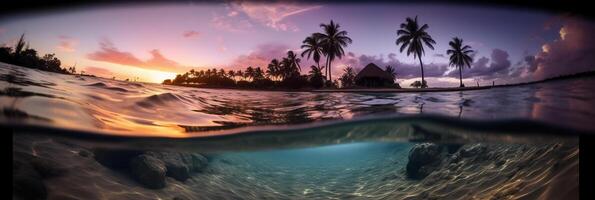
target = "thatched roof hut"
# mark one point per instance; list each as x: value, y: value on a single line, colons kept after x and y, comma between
x: 373, y: 76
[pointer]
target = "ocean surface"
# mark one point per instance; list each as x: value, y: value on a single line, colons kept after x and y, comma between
x: 502, y: 143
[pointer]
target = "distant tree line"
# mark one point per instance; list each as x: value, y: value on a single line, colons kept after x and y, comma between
x: 24, y: 56
x: 279, y: 74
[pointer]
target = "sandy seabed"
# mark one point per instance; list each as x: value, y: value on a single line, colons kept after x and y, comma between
x: 499, y: 171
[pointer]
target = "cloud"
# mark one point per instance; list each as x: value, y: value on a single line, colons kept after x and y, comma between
x: 67, y: 44
x: 191, y: 34
x: 571, y: 53
x: 261, y: 56
x: 242, y: 15
x: 497, y: 66
x: 98, y: 71
x: 109, y: 53
x: 404, y: 70
x: 231, y: 23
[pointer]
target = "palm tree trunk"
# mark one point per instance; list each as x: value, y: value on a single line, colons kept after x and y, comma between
x: 460, y: 77
x: 326, y: 70
x: 330, y: 75
x: 422, y: 73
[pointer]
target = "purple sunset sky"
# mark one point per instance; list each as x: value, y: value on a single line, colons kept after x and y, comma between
x: 153, y: 42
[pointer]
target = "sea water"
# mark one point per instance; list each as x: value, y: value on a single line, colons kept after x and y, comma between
x: 76, y: 136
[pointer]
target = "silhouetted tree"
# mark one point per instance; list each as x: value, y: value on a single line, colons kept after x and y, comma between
x: 231, y: 74
x: 333, y: 40
x: 417, y: 84
x: 459, y: 56
x: 5, y: 54
x: 316, y: 77
x: 24, y: 56
x: 413, y: 37
x: 290, y: 66
x: 391, y: 70
x: 274, y: 69
x: 312, y: 48
x: 258, y: 74
x: 348, y: 77
x: 249, y: 74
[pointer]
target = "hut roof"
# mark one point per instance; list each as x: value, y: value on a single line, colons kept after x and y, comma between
x: 371, y: 70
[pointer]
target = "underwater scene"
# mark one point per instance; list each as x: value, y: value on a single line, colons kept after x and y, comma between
x: 306, y: 101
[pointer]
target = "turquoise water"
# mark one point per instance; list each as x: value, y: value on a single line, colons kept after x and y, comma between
x: 82, y: 137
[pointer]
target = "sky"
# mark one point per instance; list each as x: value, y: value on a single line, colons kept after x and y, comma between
x: 152, y: 42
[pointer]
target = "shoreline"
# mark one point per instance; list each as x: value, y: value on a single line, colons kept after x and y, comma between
x: 588, y: 74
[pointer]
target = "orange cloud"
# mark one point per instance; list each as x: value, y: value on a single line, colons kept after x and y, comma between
x: 109, y: 53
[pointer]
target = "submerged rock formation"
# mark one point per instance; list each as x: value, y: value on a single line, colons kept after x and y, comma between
x: 423, y: 159
x: 29, y: 172
x: 150, y: 168
x: 148, y: 171
x: 180, y: 165
x: 500, y: 171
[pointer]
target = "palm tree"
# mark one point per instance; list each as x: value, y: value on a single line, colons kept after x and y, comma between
x: 20, y: 46
x: 221, y: 73
x: 312, y: 47
x: 413, y: 37
x: 391, y: 70
x: 290, y: 66
x: 348, y: 77
x: 316, y: 78
x: 240, y: 73
x: 258, y: 74
x: 459, y: 56
x: 294, y: 62
x: 315, y: 71
x: 249, y: 73
x: 273, y: 69
x: 231, y: 74
x: 333, y: 40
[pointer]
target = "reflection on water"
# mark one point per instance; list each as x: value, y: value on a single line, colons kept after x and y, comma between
x: 127, y: 108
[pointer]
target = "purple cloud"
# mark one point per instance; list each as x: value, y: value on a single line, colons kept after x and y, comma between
x: 571, y: 53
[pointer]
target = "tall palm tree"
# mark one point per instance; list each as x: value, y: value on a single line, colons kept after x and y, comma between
x: 459, y: 56
x: 312, y: 47
x: 333, y: 40
x: 413, y: 37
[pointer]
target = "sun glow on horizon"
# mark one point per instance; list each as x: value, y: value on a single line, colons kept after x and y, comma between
x: 159, y: 76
